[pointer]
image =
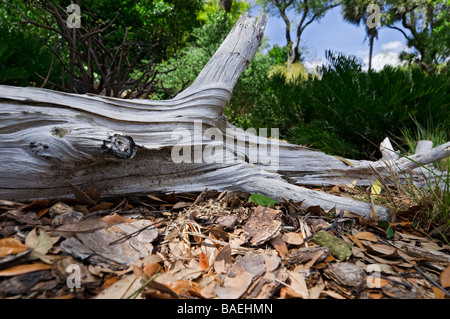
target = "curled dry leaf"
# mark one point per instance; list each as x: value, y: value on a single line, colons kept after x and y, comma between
x: 11, y: 246
x: 24, y: 269
x: 445, y: 277
x: 367, y: 236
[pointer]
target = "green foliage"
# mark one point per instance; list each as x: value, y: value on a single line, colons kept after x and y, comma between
x: 262, y: 200
x: 349, y: 111
x: 291, y: 72
x: 297, y: 15
x: 345, y: 111
x: 22, y: 58
x: 211, y: 7
x: 166, y: 22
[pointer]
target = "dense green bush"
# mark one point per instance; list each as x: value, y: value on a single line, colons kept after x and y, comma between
x: 348, y: 111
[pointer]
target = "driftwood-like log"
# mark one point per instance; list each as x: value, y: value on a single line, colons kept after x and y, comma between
x: 51, y: 139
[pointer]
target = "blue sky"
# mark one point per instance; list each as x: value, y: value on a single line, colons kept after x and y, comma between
x: 332, y: 32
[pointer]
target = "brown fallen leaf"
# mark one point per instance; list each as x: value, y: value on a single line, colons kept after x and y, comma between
x: 24, y: 269
x: 237, y: 281
x: 279, y: 245
x: 203, y: 261
x: 82, y: 196
x: 292, y: 238
x: 116, y: 219
x: 151, y: 268
x: 102, y: 206
x: 438, y: 293
x: 37, y: 204
x: 445, y: 277
x: 223, y: 259
x: 85, y: 226
x: 356, y: 241
x: 11, y: 246
x: 298, y: 284
x: 367, y: 236
x: 121, y: 289
x: 185, y: 288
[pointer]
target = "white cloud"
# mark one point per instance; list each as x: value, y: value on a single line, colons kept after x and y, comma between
x: 380, y: 60
x: 312, y: 65
x: 395, y: 46
x: 389, y: 55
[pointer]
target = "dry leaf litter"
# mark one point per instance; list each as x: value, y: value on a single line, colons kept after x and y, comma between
x: 210, y: 245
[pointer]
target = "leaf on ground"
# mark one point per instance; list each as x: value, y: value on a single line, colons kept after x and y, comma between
x: 445, y: 277
x: 116, y: 219
x: 120, y: 289
x: 306, y: 254
x: 298, y: 284
x: 223, y: 259
x: 292, y: 238
x: 387, y: 227
x: 24, y: 269
x: 181, y: 205
x: 262, y: 225
x: 203, y: 261
x: 151, y: 268
x: 85, y: 226
x: 41, y: 243
x: 366, y: 236
x: 356, y: 241
x: 116, y: 247
x: 245, y: 270
x: 185, y: 288
x: 82, y: 196
x: 376, y: 188
x: 279, y: 246
x: 262, y: 200
x: 11, y: 246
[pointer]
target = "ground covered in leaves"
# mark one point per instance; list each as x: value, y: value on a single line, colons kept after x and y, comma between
x: 211, y: 245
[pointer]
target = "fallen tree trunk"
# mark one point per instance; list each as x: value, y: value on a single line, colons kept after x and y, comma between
x: 51, y: 139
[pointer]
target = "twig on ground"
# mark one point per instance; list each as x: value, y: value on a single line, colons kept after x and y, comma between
x: 333, y: 226
x: 420, y: 271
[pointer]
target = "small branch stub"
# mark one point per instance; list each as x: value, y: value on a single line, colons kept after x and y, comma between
x: 121, y: 146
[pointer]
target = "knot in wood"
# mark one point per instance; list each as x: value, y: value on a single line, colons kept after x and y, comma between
x: 121, y: 146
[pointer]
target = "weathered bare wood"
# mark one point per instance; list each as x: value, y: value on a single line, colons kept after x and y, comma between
x: 49, y: 139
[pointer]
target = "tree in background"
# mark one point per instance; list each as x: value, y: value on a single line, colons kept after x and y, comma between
x: 426, y: 28
x: 115, y: 51
x: 297, y: 12
x: 203, y: 43
x: 355, y: 12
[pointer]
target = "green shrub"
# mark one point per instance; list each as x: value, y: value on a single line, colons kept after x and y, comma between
x: 346, y: 111
x: 23, y: 58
